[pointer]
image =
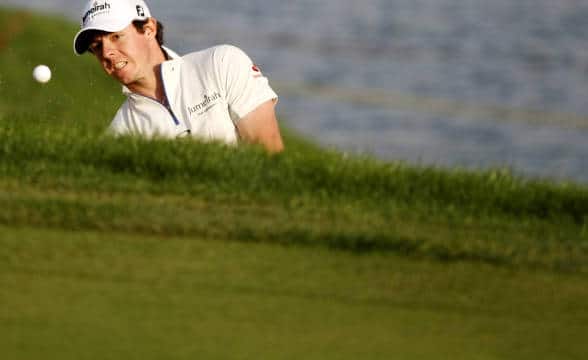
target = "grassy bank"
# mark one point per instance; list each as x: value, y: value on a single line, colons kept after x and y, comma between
x: 96, y: 295
x: 186, y: 239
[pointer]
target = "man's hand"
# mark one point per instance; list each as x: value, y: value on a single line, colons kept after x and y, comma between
x: 260, y: 126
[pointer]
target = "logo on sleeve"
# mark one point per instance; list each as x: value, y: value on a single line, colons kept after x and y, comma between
x: 256, y: 71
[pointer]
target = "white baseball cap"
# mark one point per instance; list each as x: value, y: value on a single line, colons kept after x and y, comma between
x: 109, y: 16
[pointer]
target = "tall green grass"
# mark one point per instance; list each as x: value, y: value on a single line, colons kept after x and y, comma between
x: 328, y: 175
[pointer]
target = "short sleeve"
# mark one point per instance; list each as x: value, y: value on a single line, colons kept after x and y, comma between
x: 244, y: 84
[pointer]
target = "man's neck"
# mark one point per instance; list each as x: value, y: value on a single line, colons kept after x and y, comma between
x: 152, y: 84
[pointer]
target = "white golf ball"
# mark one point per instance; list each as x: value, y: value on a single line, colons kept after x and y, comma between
x: 42, y: 73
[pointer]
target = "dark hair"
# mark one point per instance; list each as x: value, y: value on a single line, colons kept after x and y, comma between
x: 139, y: 24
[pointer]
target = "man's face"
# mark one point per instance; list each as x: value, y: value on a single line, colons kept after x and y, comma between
x: 123, y: 54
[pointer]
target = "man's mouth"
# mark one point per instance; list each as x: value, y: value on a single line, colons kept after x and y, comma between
x: 119, y: 65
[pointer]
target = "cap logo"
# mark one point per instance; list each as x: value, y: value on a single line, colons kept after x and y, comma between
x: 140, y: 11
x: 96, y: 9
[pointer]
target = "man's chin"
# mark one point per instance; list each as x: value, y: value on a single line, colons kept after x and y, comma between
x: 122, y: 80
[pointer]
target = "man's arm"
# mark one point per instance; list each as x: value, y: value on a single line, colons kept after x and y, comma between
x: 260, y: 126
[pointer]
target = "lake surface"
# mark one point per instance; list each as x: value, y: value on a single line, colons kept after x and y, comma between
x: 458, y: 83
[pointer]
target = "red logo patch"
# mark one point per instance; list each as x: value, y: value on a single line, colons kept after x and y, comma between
x: 256, y: 71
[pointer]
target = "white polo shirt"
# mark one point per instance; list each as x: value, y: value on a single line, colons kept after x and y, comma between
x: 207, y: 91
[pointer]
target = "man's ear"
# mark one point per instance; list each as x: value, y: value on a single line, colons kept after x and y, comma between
x: 150, y: 28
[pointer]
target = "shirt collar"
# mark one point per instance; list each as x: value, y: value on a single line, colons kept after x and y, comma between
x: 169, y: 53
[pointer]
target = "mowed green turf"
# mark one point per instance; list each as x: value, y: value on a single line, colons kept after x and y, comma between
x: 125, y: 248
x: 89, y: 295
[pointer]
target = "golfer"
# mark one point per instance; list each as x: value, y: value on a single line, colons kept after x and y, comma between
x: 216, y: 94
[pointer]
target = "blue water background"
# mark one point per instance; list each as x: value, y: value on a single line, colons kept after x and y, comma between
x: 458, y: 83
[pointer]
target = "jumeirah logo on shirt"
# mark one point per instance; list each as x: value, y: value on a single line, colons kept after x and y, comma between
x: 205, y: 105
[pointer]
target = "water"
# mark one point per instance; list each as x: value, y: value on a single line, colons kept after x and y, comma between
x: 459, y: 83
